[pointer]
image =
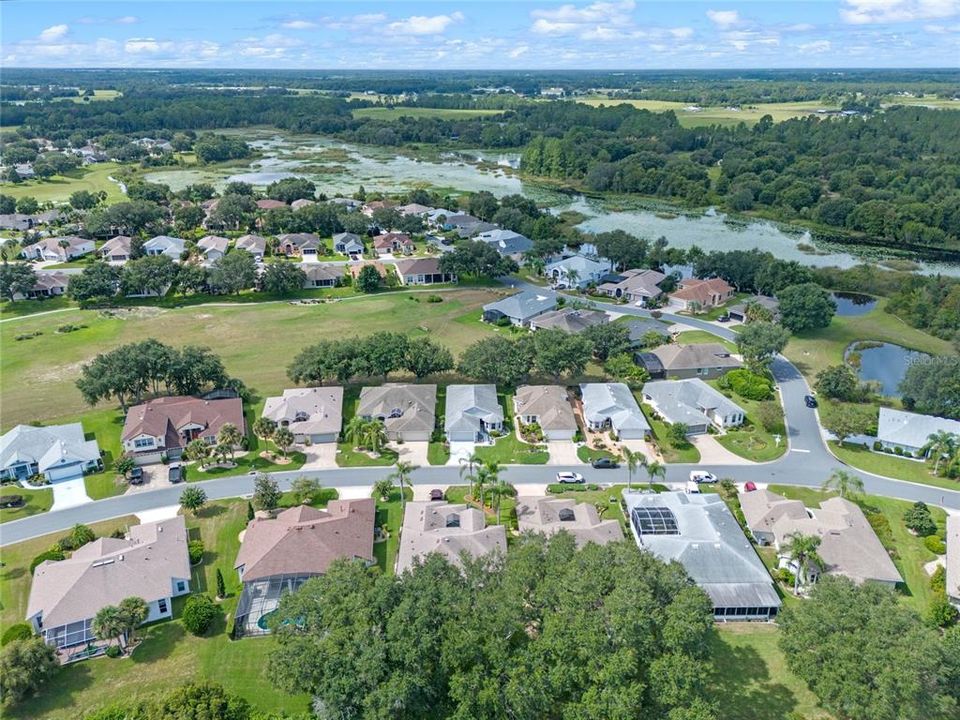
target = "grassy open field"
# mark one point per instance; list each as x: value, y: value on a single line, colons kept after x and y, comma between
x: 718, y: 115
x: 58, y: 188
x: 750, y: 679
x: 698, y: 337
x: 813, y: 351
x: 892, y: 466
x: 395, y: 113
x: 97, y: 96
x: 255, y: 341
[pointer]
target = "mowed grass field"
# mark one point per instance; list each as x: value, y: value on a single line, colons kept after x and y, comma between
x: 718, y: 115
x: 394, y: 113
x: 256, y: 342
x: 58, y: 188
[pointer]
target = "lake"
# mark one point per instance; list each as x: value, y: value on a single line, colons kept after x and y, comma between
x: 851, y: 304
x: 340, y: 168
x: 886, y: 364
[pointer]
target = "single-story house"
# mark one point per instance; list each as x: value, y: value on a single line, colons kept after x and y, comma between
x: 472, y: 412
x: 639, y: 329
x: 437, y: 217
x: 172, y: 247
x: 577, y: 271
x: 392, y: 242
x: 313, y: 414
x: 51, y: 283
x: 58, y: 249
x: 303, y: 244
x: 270, y: 204
x: 256, y: 245
x: 414, y: 209
x: 478, y: 228
x: 347, y: 243
x: 635, y: 285
x: 460, y: 221
x: 703, y: 360
x: 355, y: 268
x: 58, y: 452
x: 519, y: 309
x: 738, y: 312
x: 611, y: 406
x: 953, y: 559
x: 371, y: 207
x: 166, y: 425
x: 700, y: 532
x: 213, y: 246
x: 451, y: 530
x: 320, y: 275
x: 911, y: 431
x: 700, y: 295
x: 301, y: 203
x: 553, y: 515
x: 570, y: 320
x: 150, y: 562
x: 848, y: 544
x: 116, y: 250
x: 349, y: 203
x: 507, y: 242
x: 547, y: 406
x: 407, y: 411
x: 423, y: 271
x: 693, y: 403
x: 279, y: 554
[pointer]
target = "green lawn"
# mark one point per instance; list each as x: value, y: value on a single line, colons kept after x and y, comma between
x: 606, y: 497
x: 23, y: 308
x: 509, y: 449
x: 907, y: 550
x: 390, y: 515
x: 246, y: 463
x: 813, y: 351
x: 59, y: 188
x: 671, y: 454
x: 588, y: 454
x: 698, y: 337
x: 749, y: 113
x: 395, y: 113
x: 458, y: 494
x: 39, y: 374
x: 438, y: 453
x: 347, y: 456
x: 751, y: 441
x: 892, y: 466
x: 36, y: 501
x: 750, y: 679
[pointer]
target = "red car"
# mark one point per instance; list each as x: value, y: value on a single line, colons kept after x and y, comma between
x: 749, y: 487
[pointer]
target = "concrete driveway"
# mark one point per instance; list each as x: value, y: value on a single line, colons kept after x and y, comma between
x: 460, y: 451
x: 320, y: 456
x: 155, y: 476
x: 562, y: 452
x: 69, y: 493
x: 713, y: 453
x: 412, y: 452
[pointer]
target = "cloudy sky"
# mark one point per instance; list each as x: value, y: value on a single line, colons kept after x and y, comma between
x: 525, y: 34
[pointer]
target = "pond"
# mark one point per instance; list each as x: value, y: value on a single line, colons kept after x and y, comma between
x: 339, y: 168
x: 884, y: 363
x: 850, y: 304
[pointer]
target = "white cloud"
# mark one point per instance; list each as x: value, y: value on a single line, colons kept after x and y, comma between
x: 942, y: 29
x: 53, y: 33
x: 424, y: 25
x: 681, y: 33
x: 598, y: 21
x: 817, y: 46
x: 136, y: 46
x: 127, y: 20
x: 518, y: 51
x: 864, y: 12
x: 298, y: 24
x: 122, y: 20
x: 723, y: 18
x: 800, y: 27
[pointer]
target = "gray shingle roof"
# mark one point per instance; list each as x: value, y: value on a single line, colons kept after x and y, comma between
x: 523, y: 305
x: 468, y: 405
x: 911, y: 429
x: 447, y: 529
x: 694, y: 357
x: 310, y: 411
x: 570, y: 320
x: 413, y: 406
x: 47, y: 446
x: 552, y: 515
x: 613, y: 401
x: 549, y: 403
x: 685, y: 401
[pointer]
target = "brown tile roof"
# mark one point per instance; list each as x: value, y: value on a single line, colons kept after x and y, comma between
x: 693, y: 357
x: 305, y: 540
x: 552, y: 515
x: 428, y: 528
x: 269, y: 204
x: 164, y: 416
x: 419, y: 266
x: 702, y: 291
x: 356, y: 267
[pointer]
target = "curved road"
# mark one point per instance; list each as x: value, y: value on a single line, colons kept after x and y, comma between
x: 808, y: 462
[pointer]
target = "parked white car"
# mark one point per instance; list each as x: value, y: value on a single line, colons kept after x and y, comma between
x: 702, y: 476
x: 692, y: 488
x: 569, y: 477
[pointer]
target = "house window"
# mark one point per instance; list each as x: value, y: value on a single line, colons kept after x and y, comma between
x: 181, y: 586
x: 162, y: 605
x: 566, y: 515
x: 453, y: 521
x: 143, y: 442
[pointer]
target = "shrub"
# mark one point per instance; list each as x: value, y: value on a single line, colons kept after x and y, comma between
x: 748, y: 384
x: 918, y: 519
x: 113, y: 651
x: 81, y: 535
x: 938, y: 581
x: 48, y: 555
x: 941, y: 612
x: 434, y: 299
x: 784, y: 576
x: 199, y: 612
x: 11, y: 501
x: 195, y: 551
x: 22, y: 631
x: 935, y: 544
x: 593, y: 486
x: 562, y: 488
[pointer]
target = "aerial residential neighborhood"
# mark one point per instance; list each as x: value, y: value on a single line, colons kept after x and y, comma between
x: 526, y: 361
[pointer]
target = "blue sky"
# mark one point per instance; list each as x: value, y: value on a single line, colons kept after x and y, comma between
x: 523, y: 34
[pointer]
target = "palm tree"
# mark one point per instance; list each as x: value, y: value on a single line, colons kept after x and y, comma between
x: 263, y: 428
x: 802, y: 549
x: 356, y: 431
x: 222, y: 452
x: 402, y: 477
x: 197, y: 450
x: 481, y: 480
x: 283, y: 439
x: 941, y: 444
x: 633, y: 459
x: 468, y: 467
x: 498, y: 487
x: 375, y: 435
x: 601, y: 508
x: 110, y: 624
x: 655, y: 469
x: 229, y: 435
x: 843, y: 482
x: 382, y: 488
x: 573, y: 277
x: 536, y: 264
x: 134, y: 611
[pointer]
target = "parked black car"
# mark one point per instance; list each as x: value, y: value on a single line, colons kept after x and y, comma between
x: 810, y: 401
x: 136, y: 476
x: 175, y: 473
x: 436, y: 494
x: 605, y: 463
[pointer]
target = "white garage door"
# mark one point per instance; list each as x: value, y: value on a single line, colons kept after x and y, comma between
x: 65, y: 472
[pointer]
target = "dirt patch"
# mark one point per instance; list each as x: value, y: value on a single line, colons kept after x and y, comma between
x: 276, y: 459
x: 133, y: 313
x: 62, y: 372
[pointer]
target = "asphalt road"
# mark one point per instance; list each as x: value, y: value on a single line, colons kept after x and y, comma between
x: 807, y: 463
